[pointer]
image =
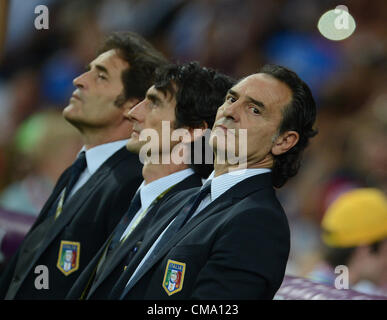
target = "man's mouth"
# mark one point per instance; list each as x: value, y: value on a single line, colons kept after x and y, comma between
x: 135, y: 133
x: 75, y: 96
x: 225, y: 129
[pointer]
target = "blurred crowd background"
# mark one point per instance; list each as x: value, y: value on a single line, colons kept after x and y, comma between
x: 348, y: 79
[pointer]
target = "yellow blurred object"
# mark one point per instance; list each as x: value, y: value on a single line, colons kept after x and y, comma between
x: 358, y: 217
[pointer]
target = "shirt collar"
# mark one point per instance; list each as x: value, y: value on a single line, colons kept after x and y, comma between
x: 150, y: 191
x: 96, y: 156
x: 222, y: 183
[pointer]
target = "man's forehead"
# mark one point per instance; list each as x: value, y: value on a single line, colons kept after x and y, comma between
x: 110, y: 59
x: 153, y: 90
x: 162, y: 94
x: 263, y: 87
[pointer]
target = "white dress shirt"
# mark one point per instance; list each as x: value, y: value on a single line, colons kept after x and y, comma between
x: 150, y: 191
x: 95, y: 157
x: 219, y: 185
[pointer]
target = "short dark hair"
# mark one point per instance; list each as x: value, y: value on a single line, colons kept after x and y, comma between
x: 143, y: 60
x: 336, y: 256
x: 299, y: 115
x: 199, y: 92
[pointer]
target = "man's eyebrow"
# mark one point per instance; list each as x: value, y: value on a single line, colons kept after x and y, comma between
x: 153, y: 97
x: 98, y: 67
x: 256, y: 102
x: 232, y: 92
x: 101, y: 68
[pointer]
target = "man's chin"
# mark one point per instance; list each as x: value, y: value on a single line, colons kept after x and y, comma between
x: 67, y: 114
x: 72, y: 118
x: 69, y: 111
x: 133, y: 145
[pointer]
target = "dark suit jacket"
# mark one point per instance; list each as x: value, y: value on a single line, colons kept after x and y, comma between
x: 235, y: 248
x: 115, y: 262
x: 88, y: 218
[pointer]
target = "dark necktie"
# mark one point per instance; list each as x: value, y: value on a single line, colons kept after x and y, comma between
x: 74, y: 172
x: 180, y: 220
x: 191, y: 208
x: 135, y: 205
x: 186, y: 213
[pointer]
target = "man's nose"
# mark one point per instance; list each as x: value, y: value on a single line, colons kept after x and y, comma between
x: 81, y: 81
x: 136, y: 113
x: 232, y: 111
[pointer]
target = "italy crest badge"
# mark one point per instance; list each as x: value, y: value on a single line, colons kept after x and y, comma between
x: 68, y: 257
x: 173, y: 277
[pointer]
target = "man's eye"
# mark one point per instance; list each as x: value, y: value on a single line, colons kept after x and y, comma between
x: 255, y: 110
x: 230, y: 99
x: 101, y: 76
x: 153, y: 104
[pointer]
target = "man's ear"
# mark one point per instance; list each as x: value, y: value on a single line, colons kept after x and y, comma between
x: 285, y: 142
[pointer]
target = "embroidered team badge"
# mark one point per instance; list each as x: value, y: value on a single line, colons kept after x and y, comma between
x: 173, y: 277
x: 68, y: 258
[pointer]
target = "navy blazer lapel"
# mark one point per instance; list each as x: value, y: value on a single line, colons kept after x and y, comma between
x: 70, y: 209
x: 214, y: 207
x: 124, y: 249
x: 238, y: 191
x: 119, y: 253
x: 54, y: 195
x: 231, y: 196
x: 79, y: 198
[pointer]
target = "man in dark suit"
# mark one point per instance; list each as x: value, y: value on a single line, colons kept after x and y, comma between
x: 172, y: 104
x: 91, y: 196
x: 230, y: 238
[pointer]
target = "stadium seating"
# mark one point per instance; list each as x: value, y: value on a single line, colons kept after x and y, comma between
x: 294, y: 288
x: 13, y: 228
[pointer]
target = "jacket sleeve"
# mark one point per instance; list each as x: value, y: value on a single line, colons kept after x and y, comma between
x: 248, y: 258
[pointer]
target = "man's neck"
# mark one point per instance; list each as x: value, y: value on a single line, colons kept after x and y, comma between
x: 97, y: 139
x: 152, y: 172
